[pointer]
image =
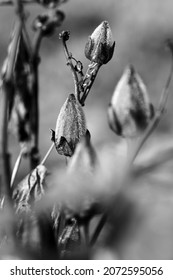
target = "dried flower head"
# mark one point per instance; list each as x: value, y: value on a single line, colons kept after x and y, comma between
x: 100, y: 45
x: 70, y: 126
x: 130, y: 110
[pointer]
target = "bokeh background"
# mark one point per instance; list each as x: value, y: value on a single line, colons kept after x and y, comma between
x: 140, y: 28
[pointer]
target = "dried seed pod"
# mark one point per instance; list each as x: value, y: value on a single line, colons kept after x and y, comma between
x: 100, y: 45
x: 30, y: 189
x: 130, y: 110
x: 47, y: 23
x: 70, y: 126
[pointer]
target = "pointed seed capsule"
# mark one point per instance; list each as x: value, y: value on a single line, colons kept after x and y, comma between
x: 130, y: 110
x: 70, y: 127
x: 100, y: 45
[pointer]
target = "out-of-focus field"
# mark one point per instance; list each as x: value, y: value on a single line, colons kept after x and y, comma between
x: 140, y: 28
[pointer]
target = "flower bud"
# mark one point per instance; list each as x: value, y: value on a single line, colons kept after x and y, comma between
x: 130, y: 110
x: 70, y: 127
x: 100, y: 45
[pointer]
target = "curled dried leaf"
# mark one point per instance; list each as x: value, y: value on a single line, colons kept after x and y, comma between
x: 30, y: 189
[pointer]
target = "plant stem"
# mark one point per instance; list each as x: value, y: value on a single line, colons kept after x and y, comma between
x: 47, y: 154
x: 98, y: 229
x: 70, y: 63
x: 34, y: 115
x: 16, y: 167
x: 88, y: 80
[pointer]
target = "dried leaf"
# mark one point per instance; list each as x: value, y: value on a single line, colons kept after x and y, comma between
x: 30, y: 189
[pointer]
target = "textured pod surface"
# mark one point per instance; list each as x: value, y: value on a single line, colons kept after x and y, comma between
x: 100, y: 45
x: 130, y: 110
x: 70, y: 126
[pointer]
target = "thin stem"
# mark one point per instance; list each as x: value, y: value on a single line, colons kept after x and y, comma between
x: 5, y: 168
x: 161, y: 108
x: 86, y: 232
x: 88, y: 80
x: 34, y: 116
x: 70, y: 63
x: 47, y: 154
x: 16, y: 167
x: 98, y: 229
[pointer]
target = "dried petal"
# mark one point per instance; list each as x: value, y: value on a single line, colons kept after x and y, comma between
x: 130, y: 110
x: 100, y: 45
x: 31, y: 188
x: 70, y: 126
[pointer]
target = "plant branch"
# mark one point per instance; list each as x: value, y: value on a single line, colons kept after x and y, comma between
x: 98, y: 229
x: 88, y: 80
x: 47, y: 154
x: 65, y: 36
x: 16, y: 166
x: 34, y: 115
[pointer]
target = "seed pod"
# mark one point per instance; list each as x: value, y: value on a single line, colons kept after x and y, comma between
x: 30, y: 189
x: 130, y: 110
x: 70, y: 127
x: 100, y: 45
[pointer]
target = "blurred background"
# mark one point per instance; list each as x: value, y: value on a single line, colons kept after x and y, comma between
x: 140, y: 28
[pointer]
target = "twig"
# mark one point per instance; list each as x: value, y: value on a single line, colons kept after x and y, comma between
x: 34, y: 115
x: 47, y: 154
x: 16, y: 167
x: 88, y: 80
x: 98, y: 229
x: 65, y: 36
